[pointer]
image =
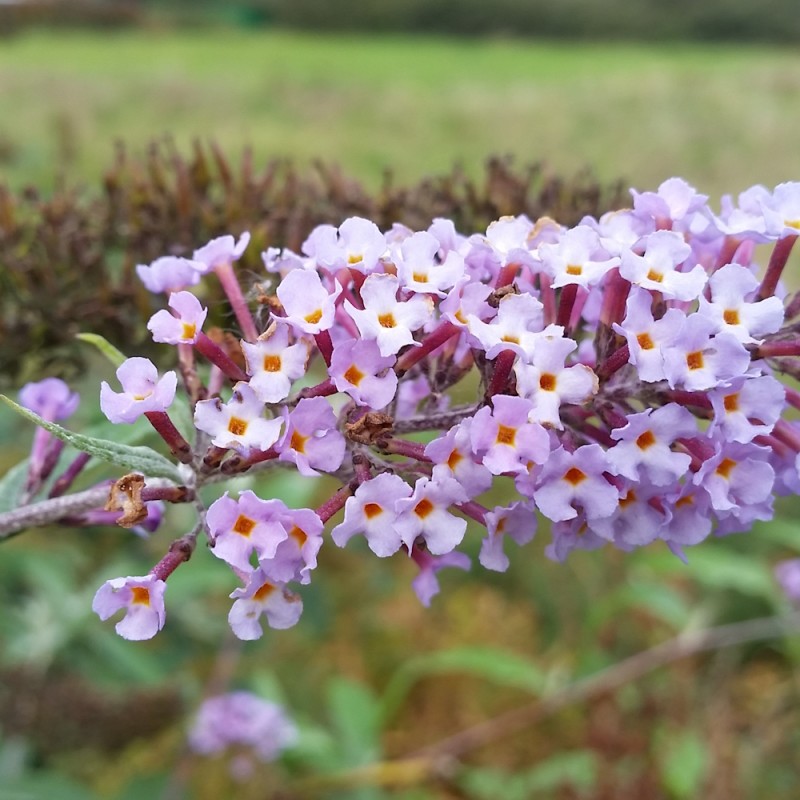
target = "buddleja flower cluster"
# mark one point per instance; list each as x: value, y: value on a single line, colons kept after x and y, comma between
x: 621, y: 375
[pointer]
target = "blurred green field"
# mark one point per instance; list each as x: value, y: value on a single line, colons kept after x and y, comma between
x: 724, y: 117
x: 368, y: 673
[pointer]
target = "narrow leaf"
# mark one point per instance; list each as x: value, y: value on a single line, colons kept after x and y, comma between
x: 104, y: 346
x: 11, y: 485
x: 137, y: 459
x: 492, y: 664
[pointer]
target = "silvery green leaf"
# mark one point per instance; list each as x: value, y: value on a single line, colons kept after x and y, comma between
x: 11, y: 485
x: 104, y: 346
x: 137, y: 459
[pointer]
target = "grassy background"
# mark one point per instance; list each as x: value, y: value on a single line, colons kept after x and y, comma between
x: 724, y: 117
x: 363, y: 672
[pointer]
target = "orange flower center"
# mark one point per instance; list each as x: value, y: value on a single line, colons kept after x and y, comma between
x: 423, y: 508
x: 354, y: 375
x: 237, y: 426
x: 574, y: 476
x: 243, y: 525
x: 264, y: 592
x: 455, y: 459
x: 140, y: 595
x: 547, y: 382
x: 731, y: 316
x: 506, y: 435
x: 695, y: 360
x: 725, y: 467
x: 298, y: 442
x: 272, y: 363
x: 731, y: 402
x: 371, y: 510
x: 645, y: 342
x: 299, y: 535
x: 646, y: 440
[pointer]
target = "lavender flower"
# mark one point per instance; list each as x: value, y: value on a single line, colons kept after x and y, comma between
x: 143, y: 601
x: 142, y: 391
x: 241, y: 719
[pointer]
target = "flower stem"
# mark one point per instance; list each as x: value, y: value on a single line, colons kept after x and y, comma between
x: 437, y: 337
x: 565, y: 303
x: 217, y: 356
x: 231, y: 287
x: 617, y: 360
x: 68, y: 476
x: 503, y: 365
x: 404, y: 447
x: 777, y: 349
x: 166, y: 429
x: 325, y: 345
x: 777, y: 261
x: 179, y: 551
x: 334, y: 503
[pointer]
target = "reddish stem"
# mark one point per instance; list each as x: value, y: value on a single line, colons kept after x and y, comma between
x: 179, y: 551
x: 503, y: 365
x: 777, y: 349
x: 726, y: 253
x: 166, y: 429
x: 547, y: 296
x: 474, y: 511
x: 506, y: 275
x: 191, y: 380
x: 231, y: 287
x: 792, y: 397
x: 169, y: 494
x: 361, y: 468
x: 323, y: 389
x: 238, y: 463
x: 785, y: 433
x: 67, y: 478
x: 615, y: 295
x: 217, y: 356
x: 436, y: 338
x: 403, y: 447
x: 777, y: 261
x: 565, y: 303
x: 698, y: 450
x: 334, y: 503
x: 325, y: 345
x: 697, y: 399
x: 617, y: 360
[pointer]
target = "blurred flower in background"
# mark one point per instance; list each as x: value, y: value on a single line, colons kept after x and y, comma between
x: 242, y: 720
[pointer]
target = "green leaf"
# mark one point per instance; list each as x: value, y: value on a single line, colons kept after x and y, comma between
x: 355, y: 714
x: 659, y: 599
x: 576, y: 769
x: 34, y: 786
x: 137, y: 459
x: 684, y: 763
x: 492, y: 664
x: 718, y: 567
x: 780, y: 531
x: 104, y: 346
x: 11, y: 486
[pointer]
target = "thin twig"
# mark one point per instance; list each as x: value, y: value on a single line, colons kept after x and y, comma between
x: 440, y: 760
x: 55, y: 508
x: 610, y: 679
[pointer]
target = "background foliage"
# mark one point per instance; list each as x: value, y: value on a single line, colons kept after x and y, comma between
x: 368, y: 673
